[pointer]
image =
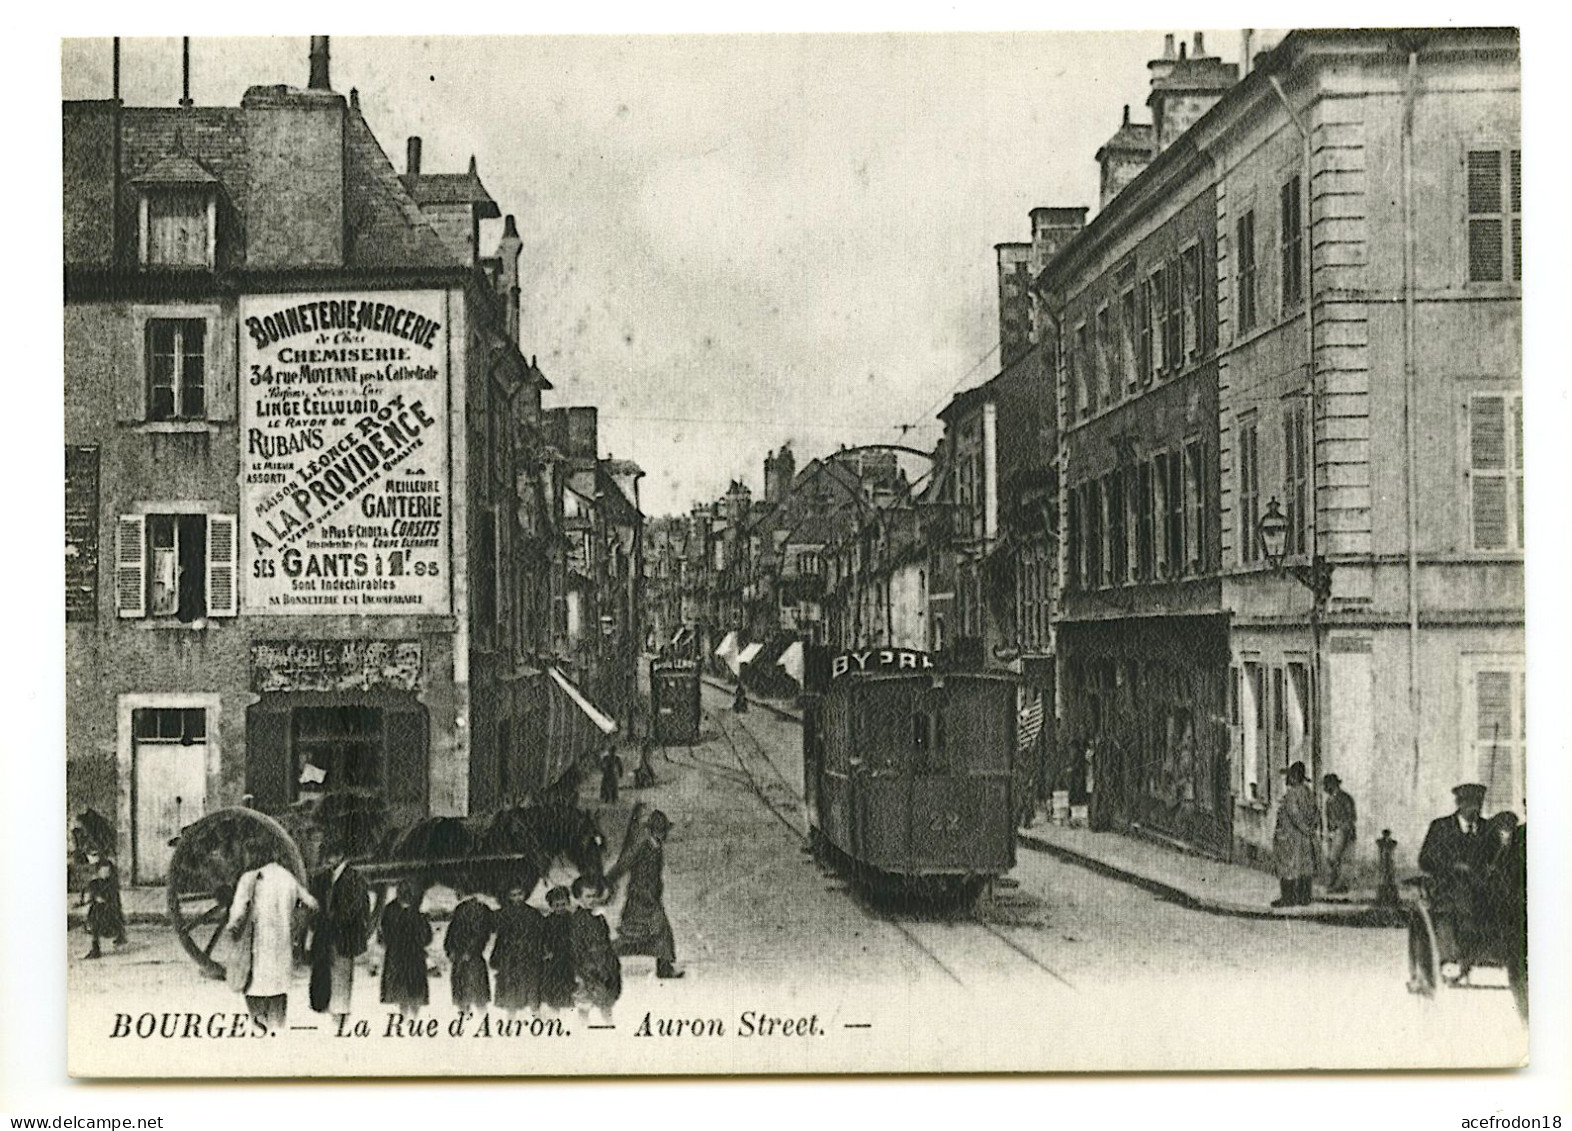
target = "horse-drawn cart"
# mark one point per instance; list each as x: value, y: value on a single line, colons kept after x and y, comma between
x: 515, y: 845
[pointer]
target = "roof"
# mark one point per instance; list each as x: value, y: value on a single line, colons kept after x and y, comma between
x: 1134, y: 136
x: 621, y: 467
x: 176, y: 169
x: 164, y: 145
x: 453, y: 188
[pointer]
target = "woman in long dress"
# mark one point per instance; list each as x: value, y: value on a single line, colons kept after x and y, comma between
x: 518, y: 952
x: 473, y: 923
x: 264, y: 909
x: 644, y: 927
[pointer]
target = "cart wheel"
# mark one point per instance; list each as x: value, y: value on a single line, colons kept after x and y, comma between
x: 209, y: 859
x: 1424, y: 962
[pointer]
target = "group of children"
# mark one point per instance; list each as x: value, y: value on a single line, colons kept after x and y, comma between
x: 543, y: 963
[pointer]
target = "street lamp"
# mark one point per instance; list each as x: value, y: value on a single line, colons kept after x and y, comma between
x: 1273, y: 532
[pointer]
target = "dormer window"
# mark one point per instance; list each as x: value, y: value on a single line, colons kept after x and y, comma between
x: 177, y: 213
x: 178, y: 229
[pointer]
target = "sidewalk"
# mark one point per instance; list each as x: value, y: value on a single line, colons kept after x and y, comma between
x: 1198, y: 881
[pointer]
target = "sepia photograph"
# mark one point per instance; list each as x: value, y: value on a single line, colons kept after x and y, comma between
x: 816, y: 553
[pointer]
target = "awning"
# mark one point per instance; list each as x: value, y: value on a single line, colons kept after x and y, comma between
x: 728, y: 647
x: 747, y: 654
x: 791, y: 661
x: 574, y: 725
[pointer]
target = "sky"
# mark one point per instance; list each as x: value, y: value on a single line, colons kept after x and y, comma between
x: 730, y: 242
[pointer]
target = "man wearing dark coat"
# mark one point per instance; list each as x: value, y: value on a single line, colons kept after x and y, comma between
x: 405, y: 935
x: 517, y: 952
x: 644, y: 928
x: 1454, y: 855
x: 339, y: 932
x: 469, y: 930
x: 1294, y: 840
x: 610, y: 776
x: 1506, y: 878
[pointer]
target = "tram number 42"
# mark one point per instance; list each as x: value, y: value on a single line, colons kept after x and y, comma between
x: 944, y: 822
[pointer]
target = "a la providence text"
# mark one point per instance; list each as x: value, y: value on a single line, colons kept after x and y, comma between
x: 219, y: 1026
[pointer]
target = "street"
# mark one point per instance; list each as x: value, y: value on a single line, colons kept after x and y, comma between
x: 1059, y: 968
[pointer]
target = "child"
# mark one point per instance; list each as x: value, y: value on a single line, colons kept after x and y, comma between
x: 597, y: 970
x: 104, y: 914
x: 556, y: 971
x: 516, y: 955
x: 470, y: 929
x: 405, y: 933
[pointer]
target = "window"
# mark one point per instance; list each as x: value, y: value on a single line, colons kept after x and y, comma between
x: 1128, y: 339
x: 1497, y: 739
x: 177, y: 228
x: 1190, y: 272
x: 185, y: 725
x: 173, y: 566
x: 1495, y: 215
x: 1171, y: 477
x: 1107, y: 364
x: 1157, y: 287
x: 1195, y: 501
x: 1118, y: 530
x: 1258, y: 749
x: 1094, y: 534
x: 176, y: 369
x: 1495, y: 446
x: 1144, y: 549
x: 1249, y: 494
x: 1076, y: 543
x: 1245, y: 235
x: 1173, y: 326
x: 1291, y: 235
x: 1296, y: 481
x: 809, y: 564
x: 1147, y: 314
x: 345, y: 742
x: 1085, y: 364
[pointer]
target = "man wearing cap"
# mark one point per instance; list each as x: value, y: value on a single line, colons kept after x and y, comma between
x: 1293, y: 842
x: 1454, y: 855
x: 1340, y: 833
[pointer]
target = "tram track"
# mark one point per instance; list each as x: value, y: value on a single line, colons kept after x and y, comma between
x: 912, y: 931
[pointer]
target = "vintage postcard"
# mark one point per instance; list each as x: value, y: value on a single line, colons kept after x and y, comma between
x: 794, y: 554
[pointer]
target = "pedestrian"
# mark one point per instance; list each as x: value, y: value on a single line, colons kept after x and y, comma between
x: 105, y: 916
x: 556, y: 964
x: 1454, y: 855
x: 739, y: 702
x: 405, y: 934
x: 261, y: 920
x: 1341, y: 821
x: 644, y: 928
x: 339, y: 933
x: 644, y: 774
x: 1294, y: 841
x: 469, y: 930
x: 516, y: 954
x: 1506, y: 880
x: 610, y: 775
x: 597, y: 971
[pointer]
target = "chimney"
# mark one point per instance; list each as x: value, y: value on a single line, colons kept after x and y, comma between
x: 1052, y: 228
x: 1181, y: 52
x: 1123, y: 156
x: 1185, y: 89
x: 295, y: 216
x: 1015, y: 303
x: 412, y: 158
x: 508, y: 248
x: 185, y: 72
x: 1245, y: 37
x: 319, y: 64
x: 1200, y: 47
x: 1168, y: 47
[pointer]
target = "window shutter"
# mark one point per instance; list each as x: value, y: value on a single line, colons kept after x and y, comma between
x: 1494, y: 732
x: 1484, y: 216
x: 131, y: 565
x: 1488, y: 459
x: 221, y: 581
x: 221, y: 372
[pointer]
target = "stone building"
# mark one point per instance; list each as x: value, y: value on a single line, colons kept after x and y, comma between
x: 1323, y: 383
x: 299, y: 434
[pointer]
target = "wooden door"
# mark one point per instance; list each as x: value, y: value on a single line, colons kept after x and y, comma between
x: 170, y: 791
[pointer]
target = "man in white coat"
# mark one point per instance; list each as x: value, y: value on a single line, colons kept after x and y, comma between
x: 261, y: 920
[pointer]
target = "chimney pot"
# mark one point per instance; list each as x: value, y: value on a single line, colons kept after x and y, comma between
x: 1181, y: 52
x: 354, y: 98
x: 1200, y: 45
x: 510, y: 229
x: 319, y: 63
x: 1126, y: 114
x: 1168, y: 47
x: 412, y: 157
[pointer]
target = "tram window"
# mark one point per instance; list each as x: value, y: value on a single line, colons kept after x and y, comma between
x: 987, y: 731
x: 930, y: 753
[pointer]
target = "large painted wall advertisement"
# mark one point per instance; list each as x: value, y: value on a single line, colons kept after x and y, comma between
x: 344, y: 484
